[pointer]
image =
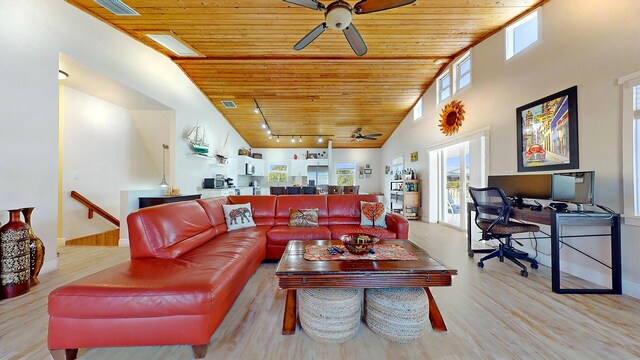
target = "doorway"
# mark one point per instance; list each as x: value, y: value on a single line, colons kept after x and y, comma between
x: 459, y: 165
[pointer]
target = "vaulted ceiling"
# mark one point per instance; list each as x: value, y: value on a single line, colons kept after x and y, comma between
x: 325, y: 88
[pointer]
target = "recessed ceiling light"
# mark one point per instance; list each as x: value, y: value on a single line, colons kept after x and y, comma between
x: 320, y: 139
x: 117, y: 7
x: 229, y: 104
x: 438, y: 61
x: 174, y: 43
x: 62, y: 75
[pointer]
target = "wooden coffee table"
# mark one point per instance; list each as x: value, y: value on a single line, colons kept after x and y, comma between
x: 294, y: 272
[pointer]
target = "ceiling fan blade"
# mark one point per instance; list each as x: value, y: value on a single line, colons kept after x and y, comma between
x: 309, y: 4
x: 312, y: 35
x: 369, y: 138
x: 354, y: 139
x: 371, y: 6
x: 372, y: 135
x: 355, y: 40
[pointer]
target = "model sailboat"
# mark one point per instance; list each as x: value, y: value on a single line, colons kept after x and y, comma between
x: 198, y: 139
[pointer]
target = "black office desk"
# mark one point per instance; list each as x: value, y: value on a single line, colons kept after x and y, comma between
x: 556, y: 220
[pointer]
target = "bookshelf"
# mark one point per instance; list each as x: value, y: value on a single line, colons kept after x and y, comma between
x: 405, y: 198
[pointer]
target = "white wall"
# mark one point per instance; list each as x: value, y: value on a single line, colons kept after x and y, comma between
x: 362, y: 157
x: 582, y: 43
x: 104, y: 152
x: 35, y: 33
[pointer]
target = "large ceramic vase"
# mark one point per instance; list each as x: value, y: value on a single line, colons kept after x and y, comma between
x: 36, y: 248
x: 15, y: 270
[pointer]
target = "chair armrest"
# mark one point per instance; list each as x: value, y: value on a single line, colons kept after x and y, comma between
x: 398, y: 225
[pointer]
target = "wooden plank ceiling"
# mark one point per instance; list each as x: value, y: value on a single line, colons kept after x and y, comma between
x: 325, y: 88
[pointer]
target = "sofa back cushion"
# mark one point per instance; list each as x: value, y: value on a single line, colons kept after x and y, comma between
x: 285, y: 202
x: 263, y: 207
x: 213, y: 208
x: 345, y: 209
x: 168, y: 231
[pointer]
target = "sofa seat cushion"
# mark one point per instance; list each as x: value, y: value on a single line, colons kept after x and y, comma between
x: 282, y: 234
x: 137, y: 289
x: 189, y: 285
x: 381, y: 233
x: 249, y: 242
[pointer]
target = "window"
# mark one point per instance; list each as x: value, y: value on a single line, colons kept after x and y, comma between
x: 462, y: 70
x: 346, y: 174
x: 522, y: 34
x: 417, y: 110
x: 277, y: 173
x: 444, y: 86
x: 631, y: 147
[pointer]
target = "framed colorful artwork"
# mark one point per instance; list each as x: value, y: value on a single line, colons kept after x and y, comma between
x: 548, y: 132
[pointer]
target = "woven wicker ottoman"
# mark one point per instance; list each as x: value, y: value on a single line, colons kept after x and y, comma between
x: 398, y: 314
x: 330, y: 315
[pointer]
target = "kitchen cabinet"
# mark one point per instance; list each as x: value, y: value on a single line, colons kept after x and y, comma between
x: 246, y: 191
x: 259, y: 167
x: 209, y: 193
x: 243, y: 161
x: 317, y: 162
x: 298, y: 168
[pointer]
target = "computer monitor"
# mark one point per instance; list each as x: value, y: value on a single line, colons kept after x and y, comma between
x: 563, y: 188
x: 519, y: 187
x: 584, y: 187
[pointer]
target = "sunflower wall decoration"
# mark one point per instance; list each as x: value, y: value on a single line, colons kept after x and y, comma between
x: 451, y: 118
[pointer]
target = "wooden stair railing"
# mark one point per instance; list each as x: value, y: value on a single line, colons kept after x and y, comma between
x: 91, y: 207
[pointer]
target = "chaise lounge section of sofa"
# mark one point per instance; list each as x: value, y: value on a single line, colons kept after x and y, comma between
x: 186, y: 270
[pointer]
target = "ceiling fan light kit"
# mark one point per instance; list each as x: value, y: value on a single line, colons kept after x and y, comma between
x: 338, y: 16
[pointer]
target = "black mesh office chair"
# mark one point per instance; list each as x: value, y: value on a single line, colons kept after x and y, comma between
x: 309, y: 190
x: 277, y: 190
x: 492, y: 216
x: 293, y: 190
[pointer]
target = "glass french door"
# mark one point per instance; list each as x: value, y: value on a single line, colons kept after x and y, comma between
x: 459, y: 166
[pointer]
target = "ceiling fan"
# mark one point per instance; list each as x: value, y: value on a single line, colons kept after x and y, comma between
x: 357, y: 136
x: 338, y: 15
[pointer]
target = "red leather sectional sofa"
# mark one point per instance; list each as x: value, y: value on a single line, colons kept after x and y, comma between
x: 186, y: 270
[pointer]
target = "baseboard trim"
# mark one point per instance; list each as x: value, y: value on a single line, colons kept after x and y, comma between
x: 578, y: 271
x: 123, y: 243
x: 49, y: 266
x: 630, y: 288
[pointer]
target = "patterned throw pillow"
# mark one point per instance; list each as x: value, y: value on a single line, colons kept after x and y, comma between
x: 303, y: 217
x: 372, y: 214
x: 238, y: 216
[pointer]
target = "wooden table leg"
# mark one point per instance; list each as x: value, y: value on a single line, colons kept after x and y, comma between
x: 437, y: 323
x: 289, y: 319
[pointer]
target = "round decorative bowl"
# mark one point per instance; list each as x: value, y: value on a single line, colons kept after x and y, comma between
x: 358, y: 244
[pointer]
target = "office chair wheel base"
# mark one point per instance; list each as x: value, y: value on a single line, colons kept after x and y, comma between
x: 470, y: 253
x: 524, y: 273
x: 534, y: 266
x: 480, y: 264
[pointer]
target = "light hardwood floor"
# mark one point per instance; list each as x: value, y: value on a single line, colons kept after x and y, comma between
x: 491, y: 314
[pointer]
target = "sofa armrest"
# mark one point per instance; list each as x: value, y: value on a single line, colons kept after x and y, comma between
x: 398, y: 225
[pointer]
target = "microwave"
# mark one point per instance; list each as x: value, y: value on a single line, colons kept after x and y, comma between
x: 214, y: 183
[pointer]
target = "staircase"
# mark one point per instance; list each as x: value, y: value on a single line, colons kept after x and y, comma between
x: 107, y: 238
